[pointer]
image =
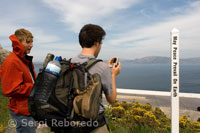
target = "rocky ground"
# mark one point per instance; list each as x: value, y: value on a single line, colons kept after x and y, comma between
x: 3, y: 54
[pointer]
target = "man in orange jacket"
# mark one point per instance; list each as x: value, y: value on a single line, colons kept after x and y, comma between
x: 17, y: 79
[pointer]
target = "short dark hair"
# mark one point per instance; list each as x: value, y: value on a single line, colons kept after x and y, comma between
x: 89, y: 34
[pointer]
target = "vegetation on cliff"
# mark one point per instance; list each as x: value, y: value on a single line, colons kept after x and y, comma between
x: 135, y: 117
x: 4, y: 112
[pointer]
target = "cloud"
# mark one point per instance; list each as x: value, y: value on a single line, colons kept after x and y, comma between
x: 41, y: 37
x: 78, y: 12
x: 66, y: 50
x: 155, y: 39
x: 132, y: 31
x: 7, y: 28
x: 22, y: 14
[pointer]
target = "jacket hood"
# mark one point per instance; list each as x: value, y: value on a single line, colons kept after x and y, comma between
x: 18, y: 48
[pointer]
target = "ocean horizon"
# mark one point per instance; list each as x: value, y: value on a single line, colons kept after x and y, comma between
x: 155, y: 77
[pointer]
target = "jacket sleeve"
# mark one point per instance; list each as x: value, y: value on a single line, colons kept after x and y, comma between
x: 12, y: 81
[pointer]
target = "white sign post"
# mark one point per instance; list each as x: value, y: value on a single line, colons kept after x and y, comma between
x: 175, y: 81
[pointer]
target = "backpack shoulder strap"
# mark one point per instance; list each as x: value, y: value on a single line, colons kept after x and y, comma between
x: 91, y: 62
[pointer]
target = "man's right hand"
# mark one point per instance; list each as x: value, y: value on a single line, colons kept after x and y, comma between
x: 116, y: 68
x: 115, y: 71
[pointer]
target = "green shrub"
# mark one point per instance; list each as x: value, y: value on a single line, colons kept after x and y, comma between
x: 4, y: 111
x: 136, y: 117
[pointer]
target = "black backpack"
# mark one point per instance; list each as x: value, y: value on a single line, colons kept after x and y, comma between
x: 74, y: 92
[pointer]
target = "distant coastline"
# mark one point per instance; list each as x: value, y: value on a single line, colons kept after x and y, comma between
x: 155, y: 60
x: 161, y: 60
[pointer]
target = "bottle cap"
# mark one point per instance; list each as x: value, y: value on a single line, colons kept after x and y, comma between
x: 58, y: 58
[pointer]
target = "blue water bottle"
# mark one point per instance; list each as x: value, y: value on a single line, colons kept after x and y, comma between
x: 54, y: 66
x: 46, y: 81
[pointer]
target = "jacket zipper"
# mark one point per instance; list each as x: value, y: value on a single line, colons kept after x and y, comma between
x: 31, y: 75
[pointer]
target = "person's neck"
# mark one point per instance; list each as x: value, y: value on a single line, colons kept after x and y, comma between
x: 87, y: 51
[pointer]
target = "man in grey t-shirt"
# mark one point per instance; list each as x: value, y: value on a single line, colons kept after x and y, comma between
x: 91, y: 38
x: 103, y: 70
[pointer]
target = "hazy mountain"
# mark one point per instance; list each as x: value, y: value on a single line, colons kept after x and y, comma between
x: 153, y: 60
x: 195, y: 60
x: 161, y: 60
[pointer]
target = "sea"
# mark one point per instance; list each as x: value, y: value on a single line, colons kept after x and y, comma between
x: 156, y: 77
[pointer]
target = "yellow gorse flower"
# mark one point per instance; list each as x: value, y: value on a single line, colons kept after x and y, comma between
x: 134, y: 114
x: 1, y: 128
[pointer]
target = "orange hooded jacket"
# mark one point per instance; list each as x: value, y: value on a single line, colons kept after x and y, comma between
x: 16, y: 78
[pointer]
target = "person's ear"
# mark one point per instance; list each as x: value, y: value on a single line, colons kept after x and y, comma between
x: 97, y: 44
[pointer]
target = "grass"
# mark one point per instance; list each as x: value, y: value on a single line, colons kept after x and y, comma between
x: 4, y: 111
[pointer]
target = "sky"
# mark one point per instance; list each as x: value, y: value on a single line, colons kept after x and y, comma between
x: 134, y: 28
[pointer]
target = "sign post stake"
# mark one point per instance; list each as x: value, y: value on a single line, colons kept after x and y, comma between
x: 175, y: 81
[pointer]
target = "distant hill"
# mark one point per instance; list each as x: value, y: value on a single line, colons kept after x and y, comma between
x: 152, y: 60
x: 161, y: 60
x: 195, y: 60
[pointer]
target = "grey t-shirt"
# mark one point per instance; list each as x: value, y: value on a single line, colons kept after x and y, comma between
x: 103, y: 70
